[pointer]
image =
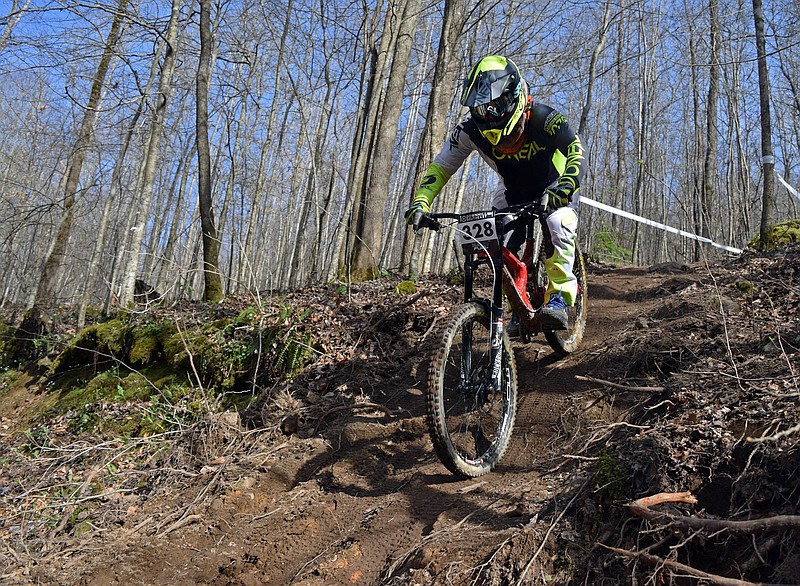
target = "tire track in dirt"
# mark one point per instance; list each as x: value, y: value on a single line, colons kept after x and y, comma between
x: 367, y: 502
x: 548, y: 387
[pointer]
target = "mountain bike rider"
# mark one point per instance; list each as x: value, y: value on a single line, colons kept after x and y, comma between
x: 537, y: 156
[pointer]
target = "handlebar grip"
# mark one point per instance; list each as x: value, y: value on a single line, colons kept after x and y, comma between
x: 422, y: 220
x: 416, y: 220
x: 536, y: 210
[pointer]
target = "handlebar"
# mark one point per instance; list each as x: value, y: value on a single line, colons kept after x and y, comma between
x: 431, y: 221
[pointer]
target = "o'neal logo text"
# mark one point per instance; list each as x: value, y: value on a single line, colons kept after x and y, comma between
x: 526, y: 153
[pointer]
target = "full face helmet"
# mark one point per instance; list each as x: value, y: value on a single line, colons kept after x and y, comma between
x: 494, y: 92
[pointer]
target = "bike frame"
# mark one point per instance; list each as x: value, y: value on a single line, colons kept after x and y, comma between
x: 510, y: 276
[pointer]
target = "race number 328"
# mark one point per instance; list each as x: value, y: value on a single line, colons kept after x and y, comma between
x: 480, y: 230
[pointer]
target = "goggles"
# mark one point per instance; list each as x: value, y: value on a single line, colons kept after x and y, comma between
x: 496, y: 110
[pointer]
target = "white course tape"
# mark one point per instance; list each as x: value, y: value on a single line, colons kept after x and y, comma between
x: 791, y: 189
x: 631, y: 216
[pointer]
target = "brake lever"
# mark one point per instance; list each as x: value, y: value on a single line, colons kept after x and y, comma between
x: 422, y: 220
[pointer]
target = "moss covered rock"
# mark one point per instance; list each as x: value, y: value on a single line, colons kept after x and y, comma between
x: 781, y: 234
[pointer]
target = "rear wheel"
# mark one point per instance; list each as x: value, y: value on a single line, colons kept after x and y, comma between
x: 567, y: 341
x: 470, y: 421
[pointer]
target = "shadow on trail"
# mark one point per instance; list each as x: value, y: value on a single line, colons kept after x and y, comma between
x: 395, y: 481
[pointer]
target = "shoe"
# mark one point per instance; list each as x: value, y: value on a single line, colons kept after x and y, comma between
x: 554, y: 314
x: 512, y: 329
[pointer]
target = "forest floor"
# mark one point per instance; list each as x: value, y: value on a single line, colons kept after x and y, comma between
x: 686, y: 381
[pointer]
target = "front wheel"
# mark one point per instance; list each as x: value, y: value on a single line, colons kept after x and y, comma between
x: 470, y: 421
x: 567, y: 341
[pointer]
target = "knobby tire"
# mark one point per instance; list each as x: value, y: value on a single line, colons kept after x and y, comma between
x: 470, y: 427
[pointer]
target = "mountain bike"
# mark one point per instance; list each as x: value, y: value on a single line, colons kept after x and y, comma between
x: 472, y: 379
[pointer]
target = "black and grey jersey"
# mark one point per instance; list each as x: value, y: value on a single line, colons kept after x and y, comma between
x: 528, y: 172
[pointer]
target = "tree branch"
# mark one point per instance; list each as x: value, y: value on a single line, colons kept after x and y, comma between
x: 622, y: 387
x: 640, y: 508
x: 657, y: 561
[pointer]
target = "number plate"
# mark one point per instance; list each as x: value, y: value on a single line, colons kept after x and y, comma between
x: 477, y: 232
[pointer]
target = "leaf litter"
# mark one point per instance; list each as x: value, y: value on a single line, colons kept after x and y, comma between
x: 687, y: 382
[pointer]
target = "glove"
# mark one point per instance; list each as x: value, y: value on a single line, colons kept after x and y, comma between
x: 417, y: 206
x: 558, y: 197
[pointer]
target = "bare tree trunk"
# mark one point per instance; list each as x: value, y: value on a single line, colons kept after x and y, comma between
x: 592, y: 76
x: 164, y: 193
x: 710, y: 161
x: 402, y: 183
x: 296, y: 276
x: 265, y: 168
x: 444, y: 76
x: 12, y: 19
x: 116, y: 174
x: 148, y: 170
x: 737, y: 180
x: 647, y: 91
x: 622, y: 114
x: 178, y: 220
x: 291, y: 233
x: 368, y: 245
x: 693, y: 203
x: 44, y: 291
x: 318, y: 262
x: 362, y: 125
x: 767, y: 158
x: 213, y: 282
x: 365, y: 142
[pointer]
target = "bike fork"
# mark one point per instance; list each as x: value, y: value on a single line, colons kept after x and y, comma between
x: 496, y: 351
x: 495, y: 312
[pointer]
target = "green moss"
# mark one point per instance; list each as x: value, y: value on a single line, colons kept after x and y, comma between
x: 217, y: 326
x: 611, y: 477
x: 780, y: 234
x: 104, y: 386
x: 353, y: 275
x: 406, y: 288
x: 113, y: 336
x: 96, y: 343
x: 79, y: 397
x: 7, y: 332
x: 456, y: 277
x: 82, y: 527
x: 132, y: 379
x: 174, y: 348
x: 148, y: 342
x: 744, y: 287
x: 145, y: 349
x: 787, y: 232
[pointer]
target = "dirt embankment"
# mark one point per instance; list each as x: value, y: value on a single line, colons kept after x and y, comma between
x: 332, y: 480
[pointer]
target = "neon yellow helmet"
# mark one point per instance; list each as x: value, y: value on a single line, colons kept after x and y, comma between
x: 495, y: 94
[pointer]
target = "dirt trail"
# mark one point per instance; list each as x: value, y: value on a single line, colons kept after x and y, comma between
x: 365, y: 501
x: 355, y: 495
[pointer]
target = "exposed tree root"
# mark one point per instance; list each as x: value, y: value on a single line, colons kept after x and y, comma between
x: 640, y: 508
x: 606, y: 383
x: 661, y: 562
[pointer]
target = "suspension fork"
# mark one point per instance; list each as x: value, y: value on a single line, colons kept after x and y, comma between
x: 494, y: 308
x: 466, y: 334
x: 496, y: 321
